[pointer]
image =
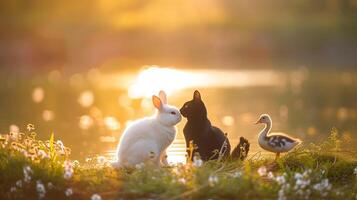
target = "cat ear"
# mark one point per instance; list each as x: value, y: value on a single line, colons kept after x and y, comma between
x: 196, y: 95
x: 156, y: 101
x: 163, y: 97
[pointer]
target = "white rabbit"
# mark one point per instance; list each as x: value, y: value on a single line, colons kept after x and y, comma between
x: 147, y: 139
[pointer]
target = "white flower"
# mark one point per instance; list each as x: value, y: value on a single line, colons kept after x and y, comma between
x: 19, y: 183
x: 67, y: 175
x: 50, y: 185
x: 40, y: 188
x: 298, y: 175
x: 212, y: 180
x: 68, y: 170
x: 68, y: 192
x: 42, y: 154
x: 182, y: 180
x: 281, y: 195
x: 262, y: 171
x: 280, y: 179
x: 96, y: 197
x: 27, y: 173
x: 197, y: 162
x: 101, y: 159
x: 13, y: 189
x: 140, y: 166
x: 237, y: 174
x: 355, y: 171
x: 270, y: 175
x: 323, y: 187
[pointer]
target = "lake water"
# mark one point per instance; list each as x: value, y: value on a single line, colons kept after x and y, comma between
x: 302, y: 102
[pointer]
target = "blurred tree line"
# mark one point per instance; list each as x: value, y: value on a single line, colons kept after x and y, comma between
x: 211, y: 33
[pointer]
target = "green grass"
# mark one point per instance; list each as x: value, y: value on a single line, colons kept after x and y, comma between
x: 300, y: 174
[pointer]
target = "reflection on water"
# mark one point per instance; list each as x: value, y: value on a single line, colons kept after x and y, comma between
x: 152, y: 79
x: 302, y: 102
x: 176, y: 153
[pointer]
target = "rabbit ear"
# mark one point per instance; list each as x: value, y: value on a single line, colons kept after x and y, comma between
x: 156, y: 101
x: 163, y: 96
x: 196, y: 95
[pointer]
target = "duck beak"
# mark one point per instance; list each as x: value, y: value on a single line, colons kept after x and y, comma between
x: 257, y: 122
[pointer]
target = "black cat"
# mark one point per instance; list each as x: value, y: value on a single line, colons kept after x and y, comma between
x: 210, y: 141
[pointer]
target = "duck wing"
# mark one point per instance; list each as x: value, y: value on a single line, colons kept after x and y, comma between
x: 280, y: 135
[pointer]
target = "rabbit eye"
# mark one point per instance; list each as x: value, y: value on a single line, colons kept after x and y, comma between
x: 173, y: 113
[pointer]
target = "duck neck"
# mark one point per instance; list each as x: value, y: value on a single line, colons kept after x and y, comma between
x: 266, y: 130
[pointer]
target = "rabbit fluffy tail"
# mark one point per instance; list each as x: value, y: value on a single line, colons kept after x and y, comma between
x: 241, y: 150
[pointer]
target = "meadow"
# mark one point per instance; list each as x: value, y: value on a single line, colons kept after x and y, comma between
x: 43, y: 169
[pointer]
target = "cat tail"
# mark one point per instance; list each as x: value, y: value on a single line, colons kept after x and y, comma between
x: 241, y: 150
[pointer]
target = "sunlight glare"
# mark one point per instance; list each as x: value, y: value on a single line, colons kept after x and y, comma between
x: 153, y: 79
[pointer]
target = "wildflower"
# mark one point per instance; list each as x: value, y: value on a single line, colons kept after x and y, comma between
x: 212, y: 180
x: 323, y: 187
x: 27, y: 173
x: 101, y: 159
x: 68, y: 192
x: 30, y: 127
x: 262, y: 171
x: 19, y: 184
x: 355, y: 171
x: 14, y: 129
x: 298, y: 176
x: 13, y: 189
x: 68, y: 170
x: 75, y: 163
x: 237, y: 174
x: 96, y: 197
x: 14, y: 135
x: 42, y: 154
x: 280, y: 179
x: 182, y: 180
x: 50, y: 185
x: 40, y: 188
x: 270, y: 175
x: 60, y: 144
x: 197, y: 162
x: 140, y: 166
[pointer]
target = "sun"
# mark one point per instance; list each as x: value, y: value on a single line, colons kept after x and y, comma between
x: 153, y: 79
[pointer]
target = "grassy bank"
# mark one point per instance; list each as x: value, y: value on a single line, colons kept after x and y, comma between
x: 34, y: 169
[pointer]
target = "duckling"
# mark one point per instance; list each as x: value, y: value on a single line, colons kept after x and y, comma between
x: 274, y: 142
